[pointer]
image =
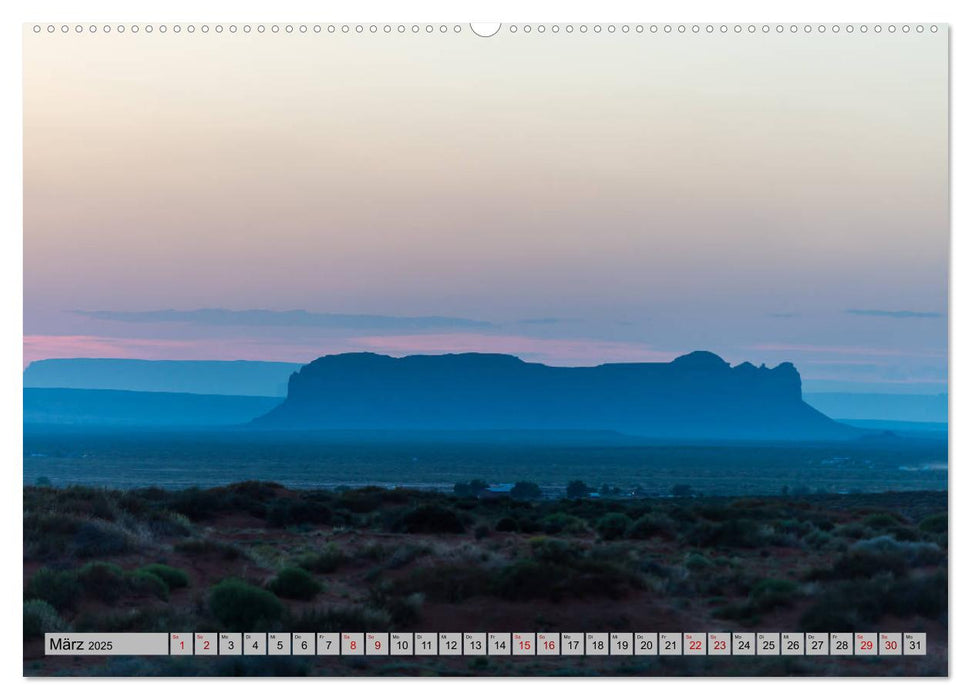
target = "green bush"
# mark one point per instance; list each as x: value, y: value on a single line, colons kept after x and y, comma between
x: 446, y: 583
x: 430, y: 518
x: 650, y: 525
x: 553, y: 550
x: 613, y: 526
x: 695, y: 561
x: 40, y: 617
x: 102, y: 539
x: 556, y: 523
x: 526, y: 491
x: 740, y: 532
x: 295, y: 583
x: 144, y: 583
x: 326, y: 561
x: 934, y: 524
x: 103, y: 581
x: 240, y: 606
x: 507, y: 524
x: 577, y: 489
x: 770, y: 593
x: 289, y: 511
x: 173, y: 577
x: 59, y: 588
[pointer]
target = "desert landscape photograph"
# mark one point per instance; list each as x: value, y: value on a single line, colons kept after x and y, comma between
x: 624, y: 336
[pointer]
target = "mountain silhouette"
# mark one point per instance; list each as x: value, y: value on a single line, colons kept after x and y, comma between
x: 697, y: 396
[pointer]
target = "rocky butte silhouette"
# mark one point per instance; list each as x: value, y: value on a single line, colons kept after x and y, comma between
x: 697, y: 396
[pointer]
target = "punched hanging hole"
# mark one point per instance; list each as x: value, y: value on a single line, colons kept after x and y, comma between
x: 485, y: 29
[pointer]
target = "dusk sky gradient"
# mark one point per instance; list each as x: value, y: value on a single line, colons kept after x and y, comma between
x: 569, y: 199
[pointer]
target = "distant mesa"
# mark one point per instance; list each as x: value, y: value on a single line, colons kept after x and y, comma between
x: 698, y: 396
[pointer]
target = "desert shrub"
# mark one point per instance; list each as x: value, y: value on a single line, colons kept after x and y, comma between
x: 103, y: 581
x: 771, y: 593
x: 447, y: 583
x: 167, y: 524
x: 741, y: 532
x: 59, y: 588
x: 102, y: 539
x: 469, y: 489
x: 404, y: 610
x: 526, y: 491
x: 597, y: 574
x: 934, y: 524
x: 556, y: 523
x: 365, y: 500
x: 695, y: 561
x: 240, y: 606
x: 287, y: 511
x: 766, y: 595
x: 209, y: 549
x: 527, y: 579
x: 405, y: 554
x: 613, y: 526
x: 173, y: 577
x: 40, y: 617
x: 919, y: 595
x: 49, y: 535
x: 915, y: 553
x: 430, y: 518
x: 85, y: 501
x: 650, y: 525
x: 326, y: 561
x: 196, y: 504
x: 882, y: 521
x: 295, y: 583
x: 507, y: 524
x: 577, y: 489
x: 851, y: 531
x: 144, y: 583
x: 857, y: 605
x: 817, y: 539
x: 554, y: 551
x: 863, y: 564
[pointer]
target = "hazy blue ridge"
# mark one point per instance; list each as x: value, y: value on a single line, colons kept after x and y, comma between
x: 111, y: 408
x: 234, y: 378
x: 696, y: 396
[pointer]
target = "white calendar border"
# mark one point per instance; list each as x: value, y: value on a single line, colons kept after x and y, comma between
x: 18, y: 12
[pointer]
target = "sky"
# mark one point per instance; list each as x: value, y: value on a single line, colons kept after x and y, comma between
x: 571, y: 199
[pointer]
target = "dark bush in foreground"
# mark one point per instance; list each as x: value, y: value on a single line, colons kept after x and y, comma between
x: 613, y: 526
x: 284, y: 512
x: 650, y: 525
x: 859, y: 605
x: 934, y: 524
x: 431, y: 519
x: 325, y: 561
x: 240, y: 606
x: 101, y: 539
x: 446, y: 583
x: 59, y: 588
x: 295, y: 583
x: 40, y: 617
x: 173, y: 577
x: 103, y: 581
x: 145, y: 583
